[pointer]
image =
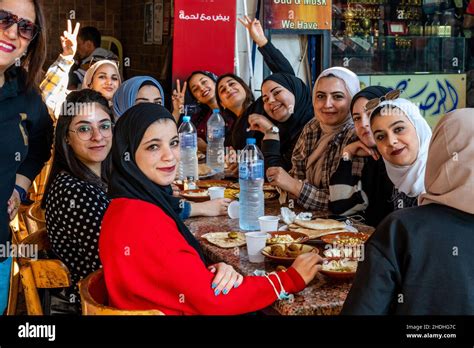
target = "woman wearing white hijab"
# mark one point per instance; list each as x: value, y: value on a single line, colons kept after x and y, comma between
x: 402, y: 137
x: 103, y: 77
x: 403, y: 258
x: 319, y: 148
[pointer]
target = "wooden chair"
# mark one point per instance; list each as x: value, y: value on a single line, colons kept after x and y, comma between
x: 94, y: 298
x: 35, y: 218
x: 43, y: 274
x: 113, y: 45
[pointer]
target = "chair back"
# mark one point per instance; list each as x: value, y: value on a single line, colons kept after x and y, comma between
x: 35, y: 218
x: 94, y: 298
x: 114, y: 45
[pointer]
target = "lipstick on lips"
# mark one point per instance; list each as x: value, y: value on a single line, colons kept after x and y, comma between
x: 167, y: 169
x: 6, y: 47
x: 397, y: 152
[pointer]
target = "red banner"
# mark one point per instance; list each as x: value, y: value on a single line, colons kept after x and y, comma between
x: 204, y: 37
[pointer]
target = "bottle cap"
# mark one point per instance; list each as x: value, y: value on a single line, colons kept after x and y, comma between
x: 251, y: 141
x: 186, y: 118
x: 215, y: 110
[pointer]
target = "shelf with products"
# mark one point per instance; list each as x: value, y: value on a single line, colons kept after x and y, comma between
x: 398, y: 36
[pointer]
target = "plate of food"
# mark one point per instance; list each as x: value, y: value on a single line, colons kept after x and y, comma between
x: 199, y: 195
x: 213, y: 183
x: 179, y: 183
x: 339, y: 268
x: 318, y: 227
x: 225, y: 239
x: 286, y: 253
x: 205, y: 171
x: 346, y: 239
x: 266, y: 186
x: 286, y: 237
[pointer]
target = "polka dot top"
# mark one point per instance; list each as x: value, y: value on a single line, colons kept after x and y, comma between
x: 74, y: 212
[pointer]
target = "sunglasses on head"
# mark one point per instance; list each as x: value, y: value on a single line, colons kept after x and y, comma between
x: 26, y: 29
x: 373, y: 103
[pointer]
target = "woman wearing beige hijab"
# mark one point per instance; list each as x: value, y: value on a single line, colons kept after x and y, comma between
x: 413, y: 248
x: 319, y: 148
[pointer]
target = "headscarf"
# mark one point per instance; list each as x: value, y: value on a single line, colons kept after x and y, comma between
x: 127, y: 93
x: 92, y: 70
x: 127, y: 180
x: 303, y: 109
x: 369, y: 93
x: 314, y: 165
x: 410, y: 179
x: 449, y: 178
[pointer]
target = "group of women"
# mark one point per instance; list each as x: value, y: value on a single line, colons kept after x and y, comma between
x: 338, y: 149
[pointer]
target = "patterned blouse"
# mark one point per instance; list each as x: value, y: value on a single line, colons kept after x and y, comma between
x: 317, y: 198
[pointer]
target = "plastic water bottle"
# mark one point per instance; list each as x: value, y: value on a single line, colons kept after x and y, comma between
x: 188, y: 166
x: 215, y: 142
x: 251, y: 171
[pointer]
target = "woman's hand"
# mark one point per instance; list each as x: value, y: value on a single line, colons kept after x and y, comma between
x: 277, y: 176
x: 69, y: 40
x: 255, y: 29
x: 178, y: 99
x: 215, y: 207
x: 259, y: 123
x: 226, y: 278
x: 308, y: 265
x: 359, y: 149
x: 13, y: 204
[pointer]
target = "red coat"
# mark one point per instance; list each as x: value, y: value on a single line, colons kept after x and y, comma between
x: 149, y: 265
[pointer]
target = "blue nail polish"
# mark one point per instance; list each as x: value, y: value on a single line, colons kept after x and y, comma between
x: 217, y: 292
x: 214, y: 285
x: 236, y: 285
x: 225, y: 291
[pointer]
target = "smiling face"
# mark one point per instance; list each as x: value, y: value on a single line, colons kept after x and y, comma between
x: 12, y: 45
x: 278, y: 102
x: 158, y: 154
x: 332, y: 101
x: 231, y: 94
x: 106, y: 81
x: 93, y: 120
x: 149, y: 94
x: 361, y: 119
x: 203, y: 89
x: 395, y: 137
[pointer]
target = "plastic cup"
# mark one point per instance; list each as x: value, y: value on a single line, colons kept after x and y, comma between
x: 216, y: 192
x: 268, y: 223
x: 256, y: 241
x: 233, y: 210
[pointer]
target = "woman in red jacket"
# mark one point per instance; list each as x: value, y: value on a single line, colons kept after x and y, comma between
x: 150, y: 258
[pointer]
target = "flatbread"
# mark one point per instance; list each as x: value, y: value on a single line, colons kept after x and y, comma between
x: 222, y: 240
x: 313, y: 234
x: 204, y: 169
x: 320, y: 224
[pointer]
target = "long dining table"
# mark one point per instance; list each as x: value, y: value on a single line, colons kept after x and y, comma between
x: 323, y: 296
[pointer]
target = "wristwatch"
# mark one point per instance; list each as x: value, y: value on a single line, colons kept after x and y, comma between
x: 272, y: 130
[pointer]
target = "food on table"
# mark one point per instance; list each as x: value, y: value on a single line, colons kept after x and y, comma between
x: 346, y: 251
x: 230, y: 193
x: 196, y: 193
x: 344, y: 265
x: 283, y: 250
x: 282, y: 238
x: 204, y: 169
x: 212, y: 183
x: 224, y: 239
x: 349, y: 240
x: 318, y: 227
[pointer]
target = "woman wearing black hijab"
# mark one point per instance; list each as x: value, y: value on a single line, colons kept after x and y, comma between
x: 150, y: 258
x: 287, y: 102
x: 375, y: 182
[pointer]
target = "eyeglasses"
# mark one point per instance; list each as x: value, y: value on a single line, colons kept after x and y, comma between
x: 85, y: 132
x: 373, y: 103
x: 26, y: 29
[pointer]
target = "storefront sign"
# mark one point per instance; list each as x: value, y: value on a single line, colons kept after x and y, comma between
x: 204, y: 37
x: 297, y: 14
x: 434, y: 94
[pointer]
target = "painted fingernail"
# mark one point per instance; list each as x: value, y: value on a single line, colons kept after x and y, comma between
x: 217, y: 292
x: 236, y: 285
x: 214, y: 285
x: 225, y: 291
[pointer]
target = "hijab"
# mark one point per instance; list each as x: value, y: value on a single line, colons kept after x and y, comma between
x: 127, y: 93
x: 127, y: 180
x: 449, y: 178
x: 410, y: 179
x: 303, y: 109
x: 314, y: 165
x: 92, y: 70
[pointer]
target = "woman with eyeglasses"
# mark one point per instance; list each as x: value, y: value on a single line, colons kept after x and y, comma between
x: 402, y: 137
x: 375, y: 182
x: 318, y: 150
x: 25, y: 126
x: 75, y: 197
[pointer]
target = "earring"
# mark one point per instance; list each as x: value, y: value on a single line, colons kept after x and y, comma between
x: 17, y: 62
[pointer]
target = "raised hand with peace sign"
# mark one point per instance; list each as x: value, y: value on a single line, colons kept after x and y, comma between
x: 69, y: 40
